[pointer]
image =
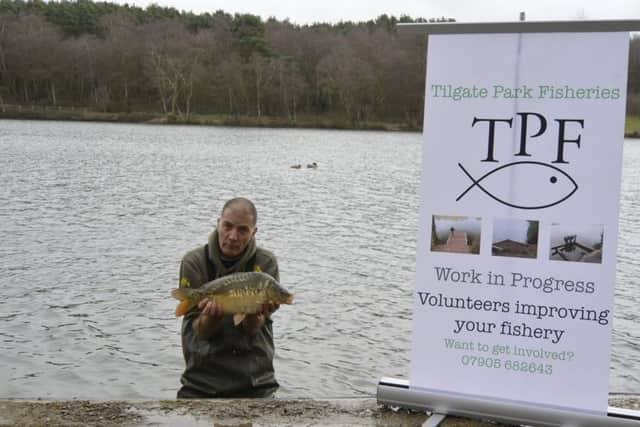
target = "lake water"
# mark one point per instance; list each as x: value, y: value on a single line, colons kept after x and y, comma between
x: 94, y: 219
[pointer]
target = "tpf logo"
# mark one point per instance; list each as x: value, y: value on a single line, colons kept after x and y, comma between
x: 526, y: 184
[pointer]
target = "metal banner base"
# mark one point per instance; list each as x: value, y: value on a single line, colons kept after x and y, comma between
x: 396, y: 392
x: 434, y: 420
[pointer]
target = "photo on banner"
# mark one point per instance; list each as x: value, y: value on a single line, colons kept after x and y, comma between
x: 518, y: 221
x: 513, y: 237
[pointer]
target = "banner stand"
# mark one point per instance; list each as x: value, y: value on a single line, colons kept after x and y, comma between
x: 435, y: 419
x: 396, y: 392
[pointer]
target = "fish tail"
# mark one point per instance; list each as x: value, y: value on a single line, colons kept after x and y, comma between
x: 187, y: 302
x: 184, y: 307
x: 472, y: 180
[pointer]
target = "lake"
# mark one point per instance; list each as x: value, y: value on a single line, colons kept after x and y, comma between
x: 95, y: 217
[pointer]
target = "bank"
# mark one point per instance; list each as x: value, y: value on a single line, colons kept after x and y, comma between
x: 232, y: 412
x: 306, y: 121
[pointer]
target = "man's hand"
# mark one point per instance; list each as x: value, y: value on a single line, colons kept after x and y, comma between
x: 209, y: 307
x: 210, y: 319
x: 269, y: 308
x: 253, y: 322
x: 209, y: 322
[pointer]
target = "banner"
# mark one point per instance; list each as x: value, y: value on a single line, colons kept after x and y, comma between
x: 518, y: 222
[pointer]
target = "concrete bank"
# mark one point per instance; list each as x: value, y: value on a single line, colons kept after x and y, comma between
x: 228, y: 413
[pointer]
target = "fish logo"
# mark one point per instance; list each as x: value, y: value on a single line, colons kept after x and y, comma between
x: 536, y: 185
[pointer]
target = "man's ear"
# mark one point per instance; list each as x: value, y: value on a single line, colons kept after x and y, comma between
x: 255, y: 230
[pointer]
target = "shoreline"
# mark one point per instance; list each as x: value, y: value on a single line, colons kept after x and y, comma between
x: 302, y: 122
x: 632, y: 127
x: 230, y: 412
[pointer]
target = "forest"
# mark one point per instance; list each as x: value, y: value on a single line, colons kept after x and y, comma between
x: 109, y: 58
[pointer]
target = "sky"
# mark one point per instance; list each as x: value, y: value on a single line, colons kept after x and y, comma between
x: 307, y: 12
x: 511, y: 228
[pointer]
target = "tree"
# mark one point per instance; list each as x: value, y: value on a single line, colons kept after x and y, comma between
x: 231, y: 85
x: 121, y: 58
x: 125, y: 58
x: 172, y: 63
x: 6, y: 81
x: 32, y: 56
x: 263, y: 69
x: 248, y: 36
x: 344, y: 76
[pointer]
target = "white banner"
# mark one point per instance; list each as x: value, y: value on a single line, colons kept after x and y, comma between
x: 518, y: 222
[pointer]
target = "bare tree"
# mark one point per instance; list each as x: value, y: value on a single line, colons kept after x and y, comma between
x: 121, y: 57
x: 172, y: 63
x: 263, y: 69
x: 32, y: 54
x: 231, y: 85
x: 343, y: 75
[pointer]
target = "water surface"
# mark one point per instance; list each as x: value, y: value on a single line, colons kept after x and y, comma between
x: 94, y: 219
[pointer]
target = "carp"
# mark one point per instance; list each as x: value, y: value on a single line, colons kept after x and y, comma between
x: 238, y: 294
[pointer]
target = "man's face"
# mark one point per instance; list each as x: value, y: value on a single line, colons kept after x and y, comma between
x: 235, y: 230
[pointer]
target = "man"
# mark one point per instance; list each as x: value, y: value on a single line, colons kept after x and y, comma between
x: 224, y: 360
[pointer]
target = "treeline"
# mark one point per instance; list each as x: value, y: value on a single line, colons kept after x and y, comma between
x: 115, y: 58
x: 633, y: 85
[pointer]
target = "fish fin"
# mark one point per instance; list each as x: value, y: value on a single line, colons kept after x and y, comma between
x: 179, y: 293
x: 237, y: 318
x: 184, y: 307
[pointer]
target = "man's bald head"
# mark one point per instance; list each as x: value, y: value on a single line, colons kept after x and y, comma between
x: 241, y: 204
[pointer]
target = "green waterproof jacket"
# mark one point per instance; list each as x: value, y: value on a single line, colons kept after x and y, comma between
x: 231, y: 363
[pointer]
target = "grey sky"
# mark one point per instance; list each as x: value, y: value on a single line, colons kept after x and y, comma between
x: 306, y: 12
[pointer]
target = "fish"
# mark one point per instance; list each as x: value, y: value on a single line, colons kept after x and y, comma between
x: 525, y: 185
x: 238, y: 294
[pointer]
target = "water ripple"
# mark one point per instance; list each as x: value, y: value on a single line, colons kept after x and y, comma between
x: 94, y: 219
